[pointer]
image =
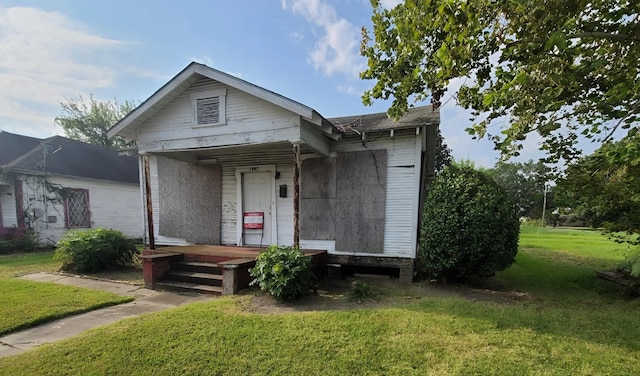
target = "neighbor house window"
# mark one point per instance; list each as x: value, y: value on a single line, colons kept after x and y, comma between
x: 208, y: 108
x: 76, y: 204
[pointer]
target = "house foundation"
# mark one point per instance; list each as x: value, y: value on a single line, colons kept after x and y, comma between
x: 405, y: 266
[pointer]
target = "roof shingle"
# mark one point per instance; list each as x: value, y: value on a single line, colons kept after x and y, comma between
x: 58, y: 155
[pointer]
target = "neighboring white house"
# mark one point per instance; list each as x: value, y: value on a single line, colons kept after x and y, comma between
x: 56, y: 184
x: 232, y: 163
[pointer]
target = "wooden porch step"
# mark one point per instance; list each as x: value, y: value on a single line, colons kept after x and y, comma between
x: 189, y: 287
x: 194, y: 277
x: 198, y: 267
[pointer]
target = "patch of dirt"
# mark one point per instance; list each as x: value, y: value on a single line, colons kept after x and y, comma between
x: 335, y: 295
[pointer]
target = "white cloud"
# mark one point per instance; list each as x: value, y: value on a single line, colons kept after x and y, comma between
x: 206, y: 60
x: 44, y: 57
x: 297, y: 35
x: 345, y: 88
x: 337, y: 50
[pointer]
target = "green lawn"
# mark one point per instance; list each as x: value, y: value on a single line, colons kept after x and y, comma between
x: 572, y: 325
x: 21, y: 264
x: 26, y: 303
x: 584, y: 243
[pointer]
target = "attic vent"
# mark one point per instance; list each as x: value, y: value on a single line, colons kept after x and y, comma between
x: 208, y: 108
x: 208, y: 111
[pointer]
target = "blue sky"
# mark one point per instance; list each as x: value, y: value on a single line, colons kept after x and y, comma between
x: 307, y: 50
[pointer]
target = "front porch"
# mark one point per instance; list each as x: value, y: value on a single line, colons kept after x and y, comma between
x: 212, y: 269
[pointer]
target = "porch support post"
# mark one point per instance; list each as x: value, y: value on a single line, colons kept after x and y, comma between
x: 296, y: 195
x: 147, y: 195
x: 19, y: 195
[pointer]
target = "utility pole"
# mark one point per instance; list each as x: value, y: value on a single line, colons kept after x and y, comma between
x: 544, y: 203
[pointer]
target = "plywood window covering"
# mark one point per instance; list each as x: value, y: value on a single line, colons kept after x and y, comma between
x: 77, y: 208
x: 208, y: 108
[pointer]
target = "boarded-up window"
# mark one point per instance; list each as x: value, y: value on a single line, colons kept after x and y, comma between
x: 208, y: 110
x: 318, y: 199
x: 361, y: 188
x: 190, y: 201
x: 343, y: 199
x: 77, y: 208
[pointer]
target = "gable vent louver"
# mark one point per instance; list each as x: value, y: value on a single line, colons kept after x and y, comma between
x: 208, y: 110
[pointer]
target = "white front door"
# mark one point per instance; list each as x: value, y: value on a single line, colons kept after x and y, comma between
x: 257, y: 198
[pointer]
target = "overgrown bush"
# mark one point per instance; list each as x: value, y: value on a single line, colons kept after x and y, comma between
x: 360, y: 291
x: 95, y: 250
x: 14, y: 239
x: 284, y: 272
x: 469, y: 226
x: 631, y: 265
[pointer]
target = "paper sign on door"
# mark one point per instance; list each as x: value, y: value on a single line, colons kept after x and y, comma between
x: 254, y: 220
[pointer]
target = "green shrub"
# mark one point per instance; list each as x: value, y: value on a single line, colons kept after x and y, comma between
x: 6, y: 246
x: 360, y: 290
x: 95, y: 250
x: 631, y: 265
x: 14, y: 239
x: 469, y: 226
x: 284, y: 272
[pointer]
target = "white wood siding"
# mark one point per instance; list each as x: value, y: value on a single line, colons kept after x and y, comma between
x: 112, y: 205
x: 282, y: 159
x: 403, y: 181
x: 8, y: 206
x: 248, y: 120
x: 401, y: 208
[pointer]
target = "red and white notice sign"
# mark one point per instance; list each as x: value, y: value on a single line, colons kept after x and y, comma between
x: 253, y: 220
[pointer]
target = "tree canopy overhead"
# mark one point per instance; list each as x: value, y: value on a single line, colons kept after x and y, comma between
x: 89, y: 120
x: 556, y: 67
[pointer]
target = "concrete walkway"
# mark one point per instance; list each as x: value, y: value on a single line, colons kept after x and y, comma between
x: 146, y: 301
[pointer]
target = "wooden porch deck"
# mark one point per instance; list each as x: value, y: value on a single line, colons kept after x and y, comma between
x: 224, y: 251
x: 228, y: 267
x: 215, y: 250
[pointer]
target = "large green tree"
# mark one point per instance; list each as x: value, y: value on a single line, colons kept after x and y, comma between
x: 559, y: 68
x: 443, y: 153
x: 605, y: 186
x: 524, y: 183
x: 88, y: 120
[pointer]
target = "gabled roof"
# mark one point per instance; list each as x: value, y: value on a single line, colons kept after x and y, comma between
x: 13, y: 146
x: 58, y: 155
x: 172, y: 89
x: 415, y: 117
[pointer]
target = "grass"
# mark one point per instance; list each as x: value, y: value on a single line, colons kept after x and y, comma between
x: 574, y: 325
x: 26, y: 263
x: 586, y: 244
x: 130, y: 274
x: 26, y: 303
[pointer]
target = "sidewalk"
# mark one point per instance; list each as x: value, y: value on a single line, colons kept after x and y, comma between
x: 146, y: 301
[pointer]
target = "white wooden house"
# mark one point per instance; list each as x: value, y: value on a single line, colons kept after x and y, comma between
x: 231, y: 163
x: 56, y: 184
